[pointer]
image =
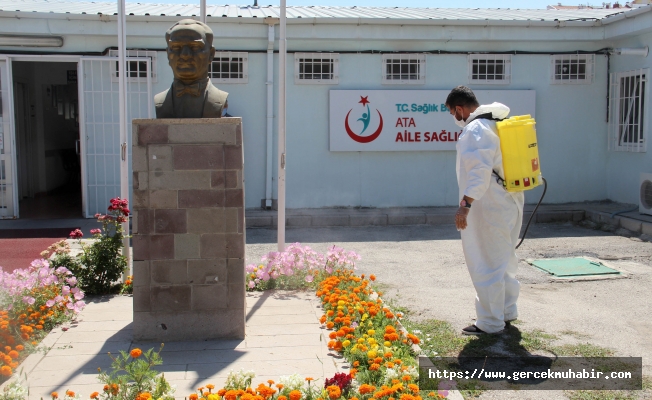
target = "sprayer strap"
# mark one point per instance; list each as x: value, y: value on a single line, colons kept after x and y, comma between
x: 499, y: 179
x: 488, y: 116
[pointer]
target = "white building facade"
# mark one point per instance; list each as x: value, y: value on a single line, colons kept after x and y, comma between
x: 590, y: 98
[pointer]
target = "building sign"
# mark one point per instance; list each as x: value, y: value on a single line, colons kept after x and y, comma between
x: 406, y: 120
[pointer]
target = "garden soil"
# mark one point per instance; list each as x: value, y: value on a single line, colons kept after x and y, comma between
x: 422, y: 268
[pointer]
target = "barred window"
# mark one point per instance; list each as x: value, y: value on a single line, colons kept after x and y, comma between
x: 229, y: 67
x: 316, y: 68
x: 490, y: 68
x: 136, y: 69
x: 628, y: 120
x: 404, y: 68
x: 572, y: 68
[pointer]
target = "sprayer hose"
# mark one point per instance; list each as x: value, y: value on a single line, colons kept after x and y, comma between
x: 545, y: 188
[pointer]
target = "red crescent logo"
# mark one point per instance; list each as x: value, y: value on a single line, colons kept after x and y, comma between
x: 363, y: 139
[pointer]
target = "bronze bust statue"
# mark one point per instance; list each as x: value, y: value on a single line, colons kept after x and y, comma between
x: 192, y: 95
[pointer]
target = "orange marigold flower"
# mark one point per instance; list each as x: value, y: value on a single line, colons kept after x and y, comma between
x: 334, y: 392
x: 13, y: 354
x: 310, y: 379
x: 295, y: 395
x: 279, y: 386
x: 372, y: 277
x: 135, y: 353
x: 356, y: 364
x: 281, y: 398
x: 95, y: 395
x: 407, y: 378
x: 5, y: 370
x: 374, y: 367
x: 70, y: 393
x: 193, y: 396
x: 106, y: 388
x: 20, y: 347
x: 414, y: 388
x: 54, y: 395
x: 221, y: 392
x: 210, y: 387
x: 329, y: 325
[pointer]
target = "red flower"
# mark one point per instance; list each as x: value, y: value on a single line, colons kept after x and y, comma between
x: 76, y: 234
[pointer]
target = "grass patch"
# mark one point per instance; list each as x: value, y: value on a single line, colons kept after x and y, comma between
x: 439, y: 337
x: 600, y: 395
x: 575, y: 334
x: 581, y: 350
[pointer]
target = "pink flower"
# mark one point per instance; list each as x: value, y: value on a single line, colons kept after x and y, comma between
x: 50, y: 303
x: 76, y: 234
x: 29, y: 300
x: 96, y: 231
x: 251, y: 284
x: 309, y: 278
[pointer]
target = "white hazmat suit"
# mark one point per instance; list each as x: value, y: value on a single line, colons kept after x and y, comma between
x: 494, y: 221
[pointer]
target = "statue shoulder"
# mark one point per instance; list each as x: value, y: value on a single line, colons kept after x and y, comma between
x: 163, y: 105
x: 215, y: 100
x: 159, y: 98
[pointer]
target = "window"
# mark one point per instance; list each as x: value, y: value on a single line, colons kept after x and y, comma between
x: 490, y: 68
x: 316, y: 68
x: 572, y: 68
x: 628, y: 106
x: 229, y: 67
x: 136, y: 69
x: 404, y: 68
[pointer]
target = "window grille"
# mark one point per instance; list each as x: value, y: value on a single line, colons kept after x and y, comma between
x: 490, y: 68
x: 404, y: 68
x: 629, y: 110
x: 136, y: 69
x: 316, y: 68
x: 229, y: 67
x: 572, y: 68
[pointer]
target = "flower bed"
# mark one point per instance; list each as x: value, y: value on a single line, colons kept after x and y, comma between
x: 33, y: 301
x: 367, y: 333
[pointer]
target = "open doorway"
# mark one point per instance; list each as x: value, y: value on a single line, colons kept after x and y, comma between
x: 47, y: 140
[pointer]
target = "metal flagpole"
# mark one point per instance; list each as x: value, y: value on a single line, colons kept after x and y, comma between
x: 282, y: 54
x: 122, y: 94
x: 202, y: 10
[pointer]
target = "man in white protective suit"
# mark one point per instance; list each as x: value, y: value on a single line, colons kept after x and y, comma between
x: 488, y: 217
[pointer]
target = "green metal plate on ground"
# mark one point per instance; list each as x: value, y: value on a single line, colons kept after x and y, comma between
x: 578, y: 266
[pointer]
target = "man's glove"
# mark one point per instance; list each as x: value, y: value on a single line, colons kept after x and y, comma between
x: 460, y: 218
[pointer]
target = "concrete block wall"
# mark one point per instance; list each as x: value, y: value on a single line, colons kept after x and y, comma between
x: 188, y: 229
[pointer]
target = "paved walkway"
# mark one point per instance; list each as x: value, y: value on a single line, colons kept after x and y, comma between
x: 283, y: 337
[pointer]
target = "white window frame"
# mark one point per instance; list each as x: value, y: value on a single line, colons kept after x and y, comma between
x: 231, y: 55
x: 621, y: 106
x: 566, y: 78
x: 332, y: 58
x: 390, y: 59
x: 490, y: 59
x: 134, y: 53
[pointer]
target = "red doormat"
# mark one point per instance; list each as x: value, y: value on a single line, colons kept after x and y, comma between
x: 19, y: 247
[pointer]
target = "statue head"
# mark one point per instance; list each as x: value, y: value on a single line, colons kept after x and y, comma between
x: 190, y: 50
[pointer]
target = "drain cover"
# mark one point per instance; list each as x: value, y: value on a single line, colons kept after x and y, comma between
x: 578, y: 266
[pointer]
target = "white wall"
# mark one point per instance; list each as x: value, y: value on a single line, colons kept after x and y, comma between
x: 571, y: 119
x: 624, y: 168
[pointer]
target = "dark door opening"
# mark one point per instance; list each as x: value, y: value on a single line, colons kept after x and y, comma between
x: 47, y: 140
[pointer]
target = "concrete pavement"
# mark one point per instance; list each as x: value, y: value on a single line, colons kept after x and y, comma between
x: 283, y: 337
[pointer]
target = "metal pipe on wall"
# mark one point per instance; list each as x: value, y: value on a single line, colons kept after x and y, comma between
x: 122, y: 101
x: 270, y: 112
x: 282, y: 59
x: 202, y: 10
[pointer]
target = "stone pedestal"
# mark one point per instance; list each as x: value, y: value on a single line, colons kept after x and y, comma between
x: 188, y: 229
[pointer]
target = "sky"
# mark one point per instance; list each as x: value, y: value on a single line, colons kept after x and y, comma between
x: 389, y: 3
